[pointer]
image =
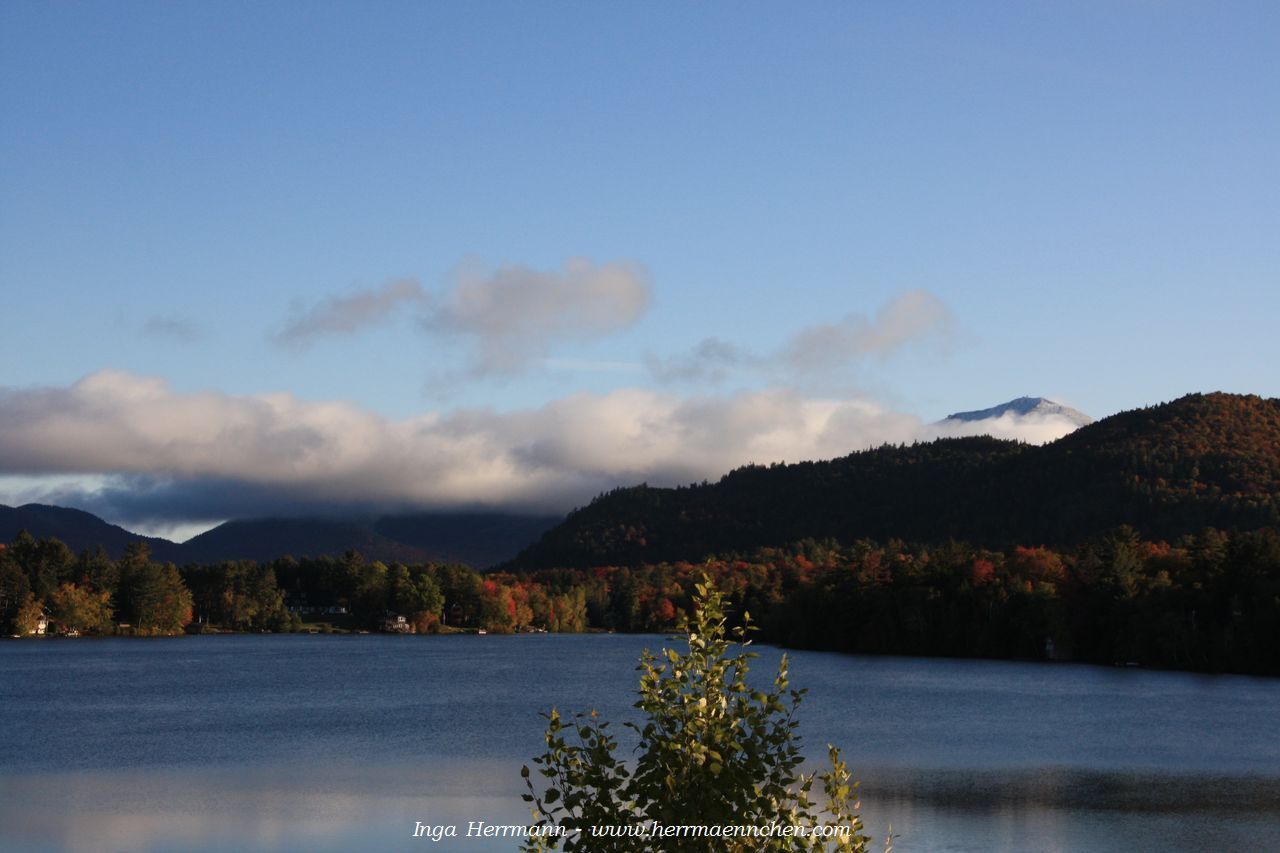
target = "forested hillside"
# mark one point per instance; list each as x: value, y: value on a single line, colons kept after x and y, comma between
x: 1210, y: 460
x: 1150, y: 537
x: 479, y: 539
x: 1207, y: 602
x: 78, y: 530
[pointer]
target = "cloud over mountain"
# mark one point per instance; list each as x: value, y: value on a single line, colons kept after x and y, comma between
x: 169, y: 455
x: 1033, y: 428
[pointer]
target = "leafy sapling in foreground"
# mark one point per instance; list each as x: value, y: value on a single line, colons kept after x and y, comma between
x: 716, y: 758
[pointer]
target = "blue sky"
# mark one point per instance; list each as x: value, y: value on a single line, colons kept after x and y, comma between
x: 902, y: 209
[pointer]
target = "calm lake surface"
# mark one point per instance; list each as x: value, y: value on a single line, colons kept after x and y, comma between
x: 317, y: 742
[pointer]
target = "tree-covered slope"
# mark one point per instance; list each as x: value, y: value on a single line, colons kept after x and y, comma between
x: 78, y: 529
x: 479, y: 539
x: 1201, y: 460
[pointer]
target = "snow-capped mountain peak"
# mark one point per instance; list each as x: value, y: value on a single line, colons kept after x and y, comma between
x: 1024, y: 407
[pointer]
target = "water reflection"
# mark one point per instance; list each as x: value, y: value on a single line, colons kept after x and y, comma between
x: 310, y: 807
x: 986, y: 790
x: 332, y: 743
x: 303, y: 807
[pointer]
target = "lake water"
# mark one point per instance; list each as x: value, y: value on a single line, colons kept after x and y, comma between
x: 317, y: 742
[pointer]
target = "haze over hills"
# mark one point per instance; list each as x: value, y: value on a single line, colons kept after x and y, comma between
x: 478, y: 539
x: 1202, y: 460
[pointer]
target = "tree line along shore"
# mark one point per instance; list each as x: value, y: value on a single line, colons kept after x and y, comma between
x: 1208, y: 601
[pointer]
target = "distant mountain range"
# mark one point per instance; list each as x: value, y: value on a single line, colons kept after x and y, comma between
x: 77, y: 529
x: 1205, y: 460
x: 1025, y: 407
x: 478, y: 539
x: 1202, y: 460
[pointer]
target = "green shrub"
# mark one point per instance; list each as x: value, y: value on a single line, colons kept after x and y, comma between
x: 712, y: 752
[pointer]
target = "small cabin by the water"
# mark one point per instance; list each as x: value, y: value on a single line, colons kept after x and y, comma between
x: 394, y: 623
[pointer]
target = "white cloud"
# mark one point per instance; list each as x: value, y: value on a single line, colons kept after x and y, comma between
x: 915, y: 317
x: 514, y: 314
x: 507, y: 319
x: 1032, y: 428
x: 197, y: 456
x: 341, y: 315
x: 711, y: 362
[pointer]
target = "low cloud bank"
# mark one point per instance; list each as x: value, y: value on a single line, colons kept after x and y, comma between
x: 1032, y: 428
x: 168, y: 456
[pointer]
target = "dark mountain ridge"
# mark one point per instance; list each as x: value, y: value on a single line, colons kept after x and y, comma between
x: 78, y: 530
x: 1204, y: 460
x: 479, y: 539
